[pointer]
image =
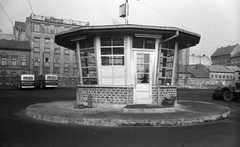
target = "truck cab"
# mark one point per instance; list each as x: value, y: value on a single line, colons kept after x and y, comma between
x: 229, y: 90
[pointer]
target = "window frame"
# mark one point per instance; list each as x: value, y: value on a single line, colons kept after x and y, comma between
x: 112, y: 57
x: 87, y: 52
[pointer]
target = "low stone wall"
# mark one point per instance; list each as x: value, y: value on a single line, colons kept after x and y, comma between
x: 8, y: 82
x: 68, y: 81
x: 199, y: 83
x: 165, y: 92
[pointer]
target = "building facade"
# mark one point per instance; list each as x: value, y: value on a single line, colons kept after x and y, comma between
x: 14, y: 57
x: 46, y: 56
x: 235, y: 59
x: 222, y: 56
x: 198, y: 59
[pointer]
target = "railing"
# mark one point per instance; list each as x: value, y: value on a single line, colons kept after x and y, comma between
x: 57, y: 20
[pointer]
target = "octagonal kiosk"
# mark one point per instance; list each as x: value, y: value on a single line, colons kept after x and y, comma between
x: 126, y: 64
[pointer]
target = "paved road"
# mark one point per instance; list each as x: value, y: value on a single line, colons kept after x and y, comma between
x: 18, y: 130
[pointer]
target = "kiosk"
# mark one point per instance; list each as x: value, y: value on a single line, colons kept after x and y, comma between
x: 126, y: 64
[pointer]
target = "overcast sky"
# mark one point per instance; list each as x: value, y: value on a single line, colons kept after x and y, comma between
x: 217, y: 21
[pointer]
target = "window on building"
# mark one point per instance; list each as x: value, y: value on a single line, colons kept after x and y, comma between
x: 88, y: 62
x: 56, y: 59
x: 46, y: 70
x: 166, y: 64
x: 212, y: 76
x: 46, y: 59
x: 36, y: 28
x: 36, y: 57
x: 14, y: 61
x: 66, y: 51
x: 112, y: 60
x: 36, y: 70
x: 223, y: 76
x: 56, y: 70
x: 47, y: 41
x: 66, y: 65
x: 144, y: 43
x: 57, y: 30
x: 36, y: 49
x: 24, y: 62
x: 227, y: 76
x: 4, y: 61
x: 112, y: 51
x: 66, y: 72
x: 57, y: 50
x: 47, y: 29
x: 46, y: 50
x: 36, y: 42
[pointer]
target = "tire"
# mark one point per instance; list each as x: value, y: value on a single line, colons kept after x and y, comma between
x: 228, y: 96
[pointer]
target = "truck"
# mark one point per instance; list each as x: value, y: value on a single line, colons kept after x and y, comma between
x: 229, y: 90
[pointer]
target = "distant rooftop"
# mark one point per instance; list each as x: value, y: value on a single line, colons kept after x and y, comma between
x: 14, y: 45
x: 224, y: 50
x: 58, y: 20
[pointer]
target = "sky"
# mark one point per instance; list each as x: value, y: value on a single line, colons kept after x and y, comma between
x: 217, y: 21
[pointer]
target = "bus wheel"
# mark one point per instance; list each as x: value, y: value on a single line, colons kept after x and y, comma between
x: 228, y: 95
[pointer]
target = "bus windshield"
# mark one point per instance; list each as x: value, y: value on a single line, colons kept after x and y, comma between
x: 51, y: 77
x: 27, y: 78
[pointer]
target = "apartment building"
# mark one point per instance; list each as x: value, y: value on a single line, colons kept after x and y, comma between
x: 14, y: 57
x: 46, y: 56
x: 223, y: 55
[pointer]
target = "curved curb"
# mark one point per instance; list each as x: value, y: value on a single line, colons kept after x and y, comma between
x: 111, y: 117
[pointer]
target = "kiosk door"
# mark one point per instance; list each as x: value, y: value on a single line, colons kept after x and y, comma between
x: 143, y: 88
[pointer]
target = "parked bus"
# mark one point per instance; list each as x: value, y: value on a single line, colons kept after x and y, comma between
x: 25, y: 81
x: 46, y: 81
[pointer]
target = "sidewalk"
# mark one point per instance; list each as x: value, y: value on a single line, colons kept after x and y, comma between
x: 185, y: 113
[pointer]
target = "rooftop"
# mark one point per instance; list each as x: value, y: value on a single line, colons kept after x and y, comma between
x: 224, y: 50
x: 14, y: 45
x: 184, y: 37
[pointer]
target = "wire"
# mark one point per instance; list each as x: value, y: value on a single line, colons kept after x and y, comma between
x: 161, y: 13
x: 174, y: 21
x: 30, y: 6
x: 5, y: 12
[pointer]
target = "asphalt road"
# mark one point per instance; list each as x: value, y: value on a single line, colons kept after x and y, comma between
x: 18, y: 130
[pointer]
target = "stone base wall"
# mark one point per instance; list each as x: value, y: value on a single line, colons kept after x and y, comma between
x: 115, y: 97
x: 164, y: 92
